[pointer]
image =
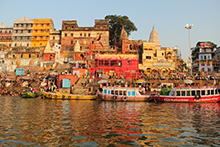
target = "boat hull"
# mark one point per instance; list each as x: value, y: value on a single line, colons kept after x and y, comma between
x: 65, y: 96
x: 188, y: 99
x: 143, y: 98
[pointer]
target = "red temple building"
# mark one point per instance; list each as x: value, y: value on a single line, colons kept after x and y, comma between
x: 120, y: 65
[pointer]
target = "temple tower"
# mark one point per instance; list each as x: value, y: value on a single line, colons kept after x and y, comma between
x: 155, y: 39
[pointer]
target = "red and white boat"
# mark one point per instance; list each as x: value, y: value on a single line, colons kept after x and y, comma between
x: 123, y: 94
x: 190, y: 94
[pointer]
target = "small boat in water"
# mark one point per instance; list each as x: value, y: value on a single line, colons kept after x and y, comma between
x: 31, y: 94
x: 67, y: 96
x: 28, y: 95
x: 194, y: 94
x: 123, y: 94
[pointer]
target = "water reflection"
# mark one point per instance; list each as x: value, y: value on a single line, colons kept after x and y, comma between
x: 37, y: 122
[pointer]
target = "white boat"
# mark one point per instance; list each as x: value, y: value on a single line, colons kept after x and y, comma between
x: 123, y: 94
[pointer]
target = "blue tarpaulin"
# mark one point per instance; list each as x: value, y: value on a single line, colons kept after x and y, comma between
x: 66, y: 83
x: 19, y: 71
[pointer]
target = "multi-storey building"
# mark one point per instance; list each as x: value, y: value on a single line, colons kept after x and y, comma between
x: 41, y: 32
x: 55, y: 37
x: 22, y: 32
x: 71, y: 33
x: 6, y: 35
x: 202, y: 57
x: 152, y: 56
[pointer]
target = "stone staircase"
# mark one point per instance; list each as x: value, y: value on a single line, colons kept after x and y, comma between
x: 80, y: 88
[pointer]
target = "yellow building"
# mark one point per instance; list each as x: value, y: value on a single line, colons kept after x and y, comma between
x: 41, y: 32
x: 156, y: 58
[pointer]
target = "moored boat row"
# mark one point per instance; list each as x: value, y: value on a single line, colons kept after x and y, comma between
x: 178, y: 94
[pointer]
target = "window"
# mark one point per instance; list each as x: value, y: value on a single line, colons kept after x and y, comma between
x: 106, y: 63
x: 119, y: 63
x: 188, y: 93
x: 27, y: 44
x: 116, y: 92
x: 183, y: 93
x: 26, y: 25
x: 65, y: 34
x: 53, y: 37
x: 128, y: 62
x: 203, y: 92
x: 178, y: 93
x: 112, y: 92
x: 71, y: 48
x: 71, y: 42
x: 120, y: 92
x: 197, y: 92
x: 193, y: 93
x: 64, y: 48
x: 148, y: 57
x: 89, y: 34
x: 71, y: 34
x: 80, y: 34
x: 29, y: 55
x: 100, y: 62
x: 132, y: 93
x: 84, y: 34
x: 212, y: 92
x: 113, y: 63
x: 37, y: 55
x: 208, y: 92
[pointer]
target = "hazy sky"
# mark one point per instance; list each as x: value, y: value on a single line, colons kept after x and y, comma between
x: 168, y: 16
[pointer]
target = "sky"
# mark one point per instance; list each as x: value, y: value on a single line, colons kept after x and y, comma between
x: 168, y: 16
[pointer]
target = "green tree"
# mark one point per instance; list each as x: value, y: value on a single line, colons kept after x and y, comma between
x: 115, y: 25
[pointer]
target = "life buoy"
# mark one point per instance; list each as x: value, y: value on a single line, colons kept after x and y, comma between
x: 125, y: 98
x: 68, y: 97
x: 197, y: 97
x: 63, y: 96
x: 55, y: 96
x: 49, y: 96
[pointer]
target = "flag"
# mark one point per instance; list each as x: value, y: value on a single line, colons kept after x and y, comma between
x: 99, y: 37
x: 100, y: 44
x: 184, y: 69
x: 90, y: 46
x: 189, y: 58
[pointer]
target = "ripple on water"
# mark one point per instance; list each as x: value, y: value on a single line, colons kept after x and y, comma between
x: 87, y: 144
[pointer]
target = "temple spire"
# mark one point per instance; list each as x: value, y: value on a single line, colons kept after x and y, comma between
x: 154, y: 38
x: 124, y: 34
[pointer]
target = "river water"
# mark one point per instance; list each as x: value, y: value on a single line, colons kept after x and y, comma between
x: 39, y: 122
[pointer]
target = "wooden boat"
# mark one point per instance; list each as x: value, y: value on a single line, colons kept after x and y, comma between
x: 31, y: 94
x: 28, y: 95
x: 189, y: 94
x: 123, y: 94
x: 67, y: 96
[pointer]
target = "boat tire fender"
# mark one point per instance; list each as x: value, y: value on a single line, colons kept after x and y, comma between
x: 115, y: 97
x: 49, y: 96
x: 55, y: 96
x: 63, y: 96
x: 68, y: 97
x: 197, y: 97
x: 125, y: 98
